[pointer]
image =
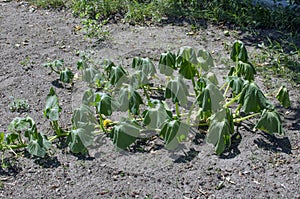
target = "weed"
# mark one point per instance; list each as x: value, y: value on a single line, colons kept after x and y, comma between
x: 18, y: 105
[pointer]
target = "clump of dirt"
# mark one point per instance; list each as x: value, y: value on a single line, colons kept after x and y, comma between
x: 256, y: 166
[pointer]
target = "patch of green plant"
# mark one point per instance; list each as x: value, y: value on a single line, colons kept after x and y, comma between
x: 190, y: 97
x: 56, y: 4
x: 93, y: 29
x: 57, y: 66
x: 18, y: 105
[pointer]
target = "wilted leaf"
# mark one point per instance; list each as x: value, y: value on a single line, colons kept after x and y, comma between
x: 174, y: 132
x: 270, y: 122
x: 138, y: 79
x: 167, y: 63
x: 103, y: 103
x: 79, y: 139
x: 253, y: 99
x: 205, y: 60
x: 235, y: 83
x: 177, y: 90
x: 129, y: 99
x: 82, y: 116
x: 38, y: 145
x: 283, y: 97
x: 156, y: 116
x: 117, y: 75
x: 220, y: 130
x: 239, y: 52
x: 144, y: 64
x: 66, y: 75
x: 52, y: 108
x: 125, y: 133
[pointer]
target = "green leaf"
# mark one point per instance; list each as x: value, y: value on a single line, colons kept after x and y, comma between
x: 138, y: 79
x: 167, y: 63
x: 220, y: 130
x: 66, y: 76
x: 90, y: 75
x: 52, y: 108
x: 117, y: 75
x: 38, y: 145
x: 235, y: 83
x: 108, y: 64
x: 11, y: 138
x: 177, y: 90
x: 253, y: 99
x: 210, y: 96
x: 174, y: 132
x: 144, y: 64
x: 82, y: 116
x: 212, y: 78
x: 2, y: 137
x: 129, y: 99
x: 79, y: 139
x: 283, y: 97
x: 88, y: 98
x: 239, y: 52
x: 186, y: 61
x: 125, y: 133
x: 270, y: 122
x: 155, y: 116
x: 26, y: 125
x: 56, y: 65
x: 246, y: 69
x: 103, y: 103
x: 205, y: 60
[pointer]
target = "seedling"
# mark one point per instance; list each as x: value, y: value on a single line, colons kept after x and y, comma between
x: 57, y: 66
x: 18, y: 105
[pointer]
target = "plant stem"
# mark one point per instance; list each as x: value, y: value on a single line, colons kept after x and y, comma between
x: 177, y: 110
x: 101, y: 123
x: 232, y: 101
x: 147, y: 95
x: 56, y: 71
x: 58, y: 136
x: 190, y: 113
x: 226, y: 90
x: 246, y: 117
x: 194, y: 85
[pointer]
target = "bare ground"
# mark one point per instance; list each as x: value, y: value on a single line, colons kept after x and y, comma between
x: 257, y: 166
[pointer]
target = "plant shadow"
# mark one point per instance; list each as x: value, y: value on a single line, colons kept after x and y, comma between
x: 187, y: 157
x: 233, y: 150
x: 48, y: 162
x: 9, y: 167
x: 272, y: 143
x: 57, y: 83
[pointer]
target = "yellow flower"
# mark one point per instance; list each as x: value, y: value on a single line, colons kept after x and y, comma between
x: 107, y: 122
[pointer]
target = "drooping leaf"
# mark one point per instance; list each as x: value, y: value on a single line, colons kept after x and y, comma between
x: 186, y: 61
x: 125, y: 133
x: 56, y: 64
x: 253, y: 99
x: 220, y: 130
x: 129, y: 99
x: 283, y: 97
x: 138, y: 79
x: 205, y: 60
x: 246, y: 69
x: 235, y: 83
x: 66, y: 76
x: 270, y: 122
x: 177, y: 90
x: 239, y: 52
x: 155, y: 116
x: 90, y: 75
x: 212, y: 78
x: 52, y: 108
x: 174, y: 132
x: 210, y: 96
x: 82, y: 116
x: 88, y: 97
x: 166, y: 63
x: 107, y: 65
x: 11, y: 138
x: 26, y: 125
x: 80, y: 138
x: 144, y: 64
x: 103, y: 103
x: 38, y: 145
x: 117, y: 75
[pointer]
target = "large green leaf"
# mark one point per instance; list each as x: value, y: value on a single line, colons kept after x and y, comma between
x: 129, y: 99
x: 186, y: 61
x: 174, y: 132
x: 283, y: 97
x: 82, y: 116
x: 205, y: 60
x: 125, y: 133
x: 103, y: 103
x: 117, y: 75
x: 253, y: 99
x: 90, y: 75
x: 138, y: 79
x: 246, y: 69
x: 38, y: 145
x: 66, y: 75
x: 88, y: 98
x: 177, y: 90
x: 144, y: 64
x: 210, y: 96
x: 270, y: 122
x: 239, y: 52
x: 79, y: 139
x: 235, y: 83
x: 26, y: 125
x: 220, y: 130
x: 155, y: 116
x: 167, y: 63
x: 52, y: 108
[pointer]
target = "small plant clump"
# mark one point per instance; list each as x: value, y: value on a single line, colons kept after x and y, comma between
x: 18, y: 105
x: 189, y: 99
